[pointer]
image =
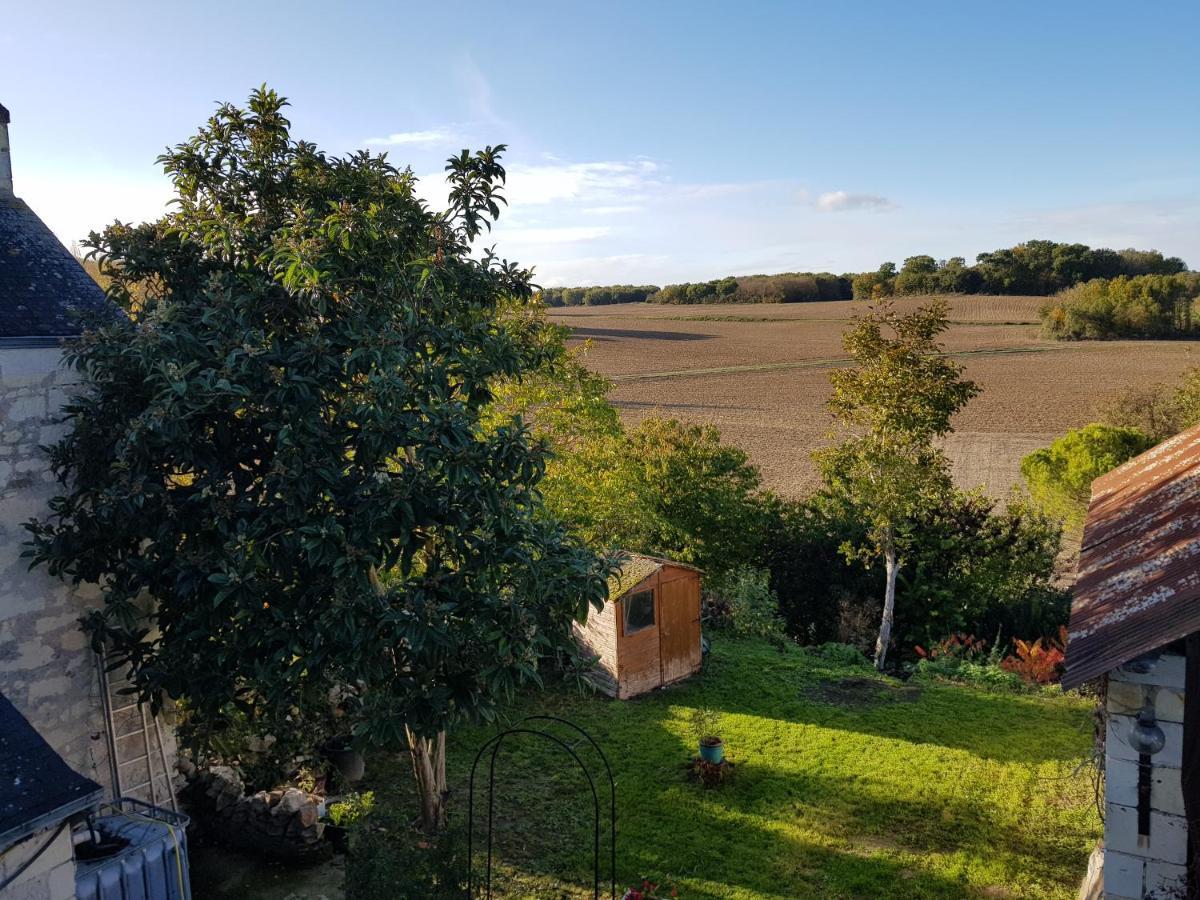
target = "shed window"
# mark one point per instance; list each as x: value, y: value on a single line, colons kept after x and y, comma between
x: 639, y: 611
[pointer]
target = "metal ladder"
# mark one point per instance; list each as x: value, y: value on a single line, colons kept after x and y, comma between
x: 114, y: 707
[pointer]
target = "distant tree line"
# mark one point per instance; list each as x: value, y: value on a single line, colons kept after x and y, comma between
x: 597, y: 296
x: 1039, y: 268
x: 789, y: 287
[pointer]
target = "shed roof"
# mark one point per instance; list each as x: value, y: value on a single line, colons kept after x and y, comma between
x: 634, y: 568
x: 1138, y: 586
x: 41, y: 283
x: 37, y: 789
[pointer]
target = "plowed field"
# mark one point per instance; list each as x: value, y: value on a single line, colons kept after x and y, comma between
x: 760, y: 374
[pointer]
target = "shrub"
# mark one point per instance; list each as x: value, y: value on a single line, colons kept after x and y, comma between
x: 1038, y: 662
x: 1060, y: 476
x: 1144, y: 306
x: 983, y: 673
x: 745, y: 597
x: 350, y: 810
x: 1158, y: 411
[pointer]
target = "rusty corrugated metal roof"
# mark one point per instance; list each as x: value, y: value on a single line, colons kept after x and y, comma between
x: 1138, y: 586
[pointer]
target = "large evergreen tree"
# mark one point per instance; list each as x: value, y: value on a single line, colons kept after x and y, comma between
x: 277, y: 472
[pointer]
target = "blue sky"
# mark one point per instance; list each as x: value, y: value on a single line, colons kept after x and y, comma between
x: 656, y: 141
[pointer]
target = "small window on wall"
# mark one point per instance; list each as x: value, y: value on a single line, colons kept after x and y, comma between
x: 639, y: 611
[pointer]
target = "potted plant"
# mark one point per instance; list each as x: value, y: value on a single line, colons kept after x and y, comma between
x: 346, y: 759
x: 706, y: 723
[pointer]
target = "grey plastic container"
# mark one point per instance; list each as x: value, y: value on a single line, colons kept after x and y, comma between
x: 153, y: 867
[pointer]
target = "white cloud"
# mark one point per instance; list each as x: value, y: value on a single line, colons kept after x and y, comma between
x: 431, y: 137
x: 840, y: 201
x: 592, y: 182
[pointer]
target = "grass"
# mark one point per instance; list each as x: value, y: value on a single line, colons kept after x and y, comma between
x: 846, y: 785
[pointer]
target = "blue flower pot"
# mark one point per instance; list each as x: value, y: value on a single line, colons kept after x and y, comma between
x: 713, y: 753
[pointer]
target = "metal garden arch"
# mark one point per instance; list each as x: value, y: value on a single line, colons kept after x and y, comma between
x: 526, y: 726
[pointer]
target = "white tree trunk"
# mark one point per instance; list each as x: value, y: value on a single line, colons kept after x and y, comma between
x: 889, y: 607
x: 429, y: 769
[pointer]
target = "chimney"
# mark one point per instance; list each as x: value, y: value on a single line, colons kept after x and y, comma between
x: 6, y: 182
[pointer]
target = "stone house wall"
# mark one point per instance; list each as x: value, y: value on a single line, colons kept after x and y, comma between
x: 46, y: 668
x: 50, y: 877
x: 1136, y: 866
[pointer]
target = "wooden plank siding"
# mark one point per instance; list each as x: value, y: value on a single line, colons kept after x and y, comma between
x: 638, y: 665
x: 679, y: 624
x: 598, y: 635
x: 631, y: 664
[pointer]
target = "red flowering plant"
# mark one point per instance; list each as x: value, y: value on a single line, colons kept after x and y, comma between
x: 1040, y: 661
x: 956, y: 646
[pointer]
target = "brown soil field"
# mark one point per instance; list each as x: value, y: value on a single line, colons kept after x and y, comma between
x: 760, y: 374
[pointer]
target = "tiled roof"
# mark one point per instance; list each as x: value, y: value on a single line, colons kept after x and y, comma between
x: 37, y: 789
x: 40, y: 281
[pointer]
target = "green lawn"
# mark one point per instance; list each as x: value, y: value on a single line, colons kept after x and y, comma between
x: 846, y: 785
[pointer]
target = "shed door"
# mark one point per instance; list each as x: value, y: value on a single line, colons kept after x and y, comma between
x: 679, y: 628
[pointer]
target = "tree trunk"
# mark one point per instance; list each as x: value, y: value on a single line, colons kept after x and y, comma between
x: 889, y: 606
x: 429, y: 769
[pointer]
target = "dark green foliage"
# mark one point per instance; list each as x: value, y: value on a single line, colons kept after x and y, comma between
x: 967, y: 565
x: 1143, y: 306
x: 1060, y: 476
x: 279, y: 454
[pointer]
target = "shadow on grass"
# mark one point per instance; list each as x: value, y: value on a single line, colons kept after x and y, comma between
x: 946, y: 794
x: 767, y: 833
x: 992, y: 725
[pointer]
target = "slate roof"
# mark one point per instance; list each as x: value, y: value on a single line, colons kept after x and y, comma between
x: 40, y: 281
x: 636, y: 568
x: 1138, y: 586
x: 37, y: 789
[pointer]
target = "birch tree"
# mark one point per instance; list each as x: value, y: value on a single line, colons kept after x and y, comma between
x: 891, y: 405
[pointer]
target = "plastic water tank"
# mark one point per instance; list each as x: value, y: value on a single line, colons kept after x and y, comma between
x: 153, y: 866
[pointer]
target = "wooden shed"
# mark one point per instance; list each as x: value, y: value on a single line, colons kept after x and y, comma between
x: 648, y: 633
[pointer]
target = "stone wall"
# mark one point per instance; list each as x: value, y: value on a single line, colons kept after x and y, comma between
x: 46, y: 667
x: 50, y: 877
x: 281, y: 823
x: 1136, y: 866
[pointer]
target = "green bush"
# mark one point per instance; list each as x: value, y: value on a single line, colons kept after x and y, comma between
x: 347, y: 812
x: 752, y: 607
x: 1145, y: 306
x: 981, y: 673
x: 1060, y: 476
